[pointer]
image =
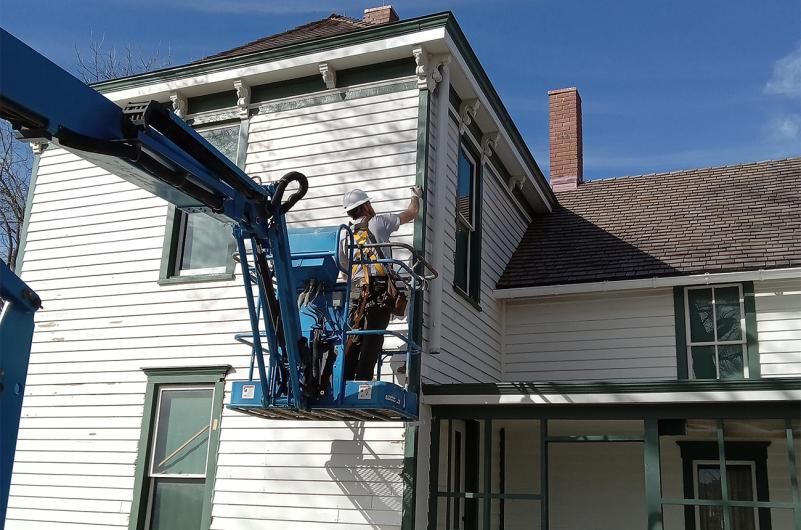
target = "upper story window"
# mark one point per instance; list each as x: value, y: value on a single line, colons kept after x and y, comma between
x: 467, y: 259
x: 198, y: 245
x: 718, y: 335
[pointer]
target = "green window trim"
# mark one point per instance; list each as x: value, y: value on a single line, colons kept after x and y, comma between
x: 471, y: 290
x: 169, y: 268
x: 751, y: 336
x: 156, y: 379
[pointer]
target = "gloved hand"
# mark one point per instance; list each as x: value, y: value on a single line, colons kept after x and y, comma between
x: 417, y: 191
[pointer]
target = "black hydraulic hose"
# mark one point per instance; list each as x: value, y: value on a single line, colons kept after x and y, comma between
x: 293, y: 176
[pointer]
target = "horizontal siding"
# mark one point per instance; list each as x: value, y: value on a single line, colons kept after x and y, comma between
x: 778, y: 309
x: 609, y: 336
x: 471, y: 339
x: 93, y: 253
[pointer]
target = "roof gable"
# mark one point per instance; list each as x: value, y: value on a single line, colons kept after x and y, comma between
x: 723, y: 219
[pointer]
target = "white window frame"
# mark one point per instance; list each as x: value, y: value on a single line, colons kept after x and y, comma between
x: 750, y: 463
x: 688, y: 333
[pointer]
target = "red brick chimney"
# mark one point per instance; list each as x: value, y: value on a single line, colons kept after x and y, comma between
x: 380, y: 15
x: 567, y: 157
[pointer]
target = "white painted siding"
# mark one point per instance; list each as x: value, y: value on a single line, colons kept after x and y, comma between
x: 93, y: 254
x: 471, y: 339
x: 778, y: 310
x: 602, y: 337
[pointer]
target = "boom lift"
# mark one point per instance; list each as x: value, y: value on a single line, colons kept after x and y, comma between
x: 298, y: 310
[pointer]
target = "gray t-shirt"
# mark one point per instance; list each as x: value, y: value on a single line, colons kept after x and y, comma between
x: 381, y: 225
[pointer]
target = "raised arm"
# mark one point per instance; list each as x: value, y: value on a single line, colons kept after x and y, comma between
x: 411, y: 211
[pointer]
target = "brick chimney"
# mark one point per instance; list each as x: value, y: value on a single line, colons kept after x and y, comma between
x: 567, y: 157
x: 380, y: 15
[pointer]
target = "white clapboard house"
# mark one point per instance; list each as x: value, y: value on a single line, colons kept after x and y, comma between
x: 619, y: 354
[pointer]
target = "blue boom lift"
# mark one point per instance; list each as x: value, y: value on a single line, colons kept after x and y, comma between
x: 298, y: 310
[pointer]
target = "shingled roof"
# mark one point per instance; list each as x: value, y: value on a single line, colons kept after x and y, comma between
x: 327, y: 27
x: 722, y: 219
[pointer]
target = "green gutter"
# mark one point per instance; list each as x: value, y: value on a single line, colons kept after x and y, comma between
x: 360, y: 36
x: 525, y: 388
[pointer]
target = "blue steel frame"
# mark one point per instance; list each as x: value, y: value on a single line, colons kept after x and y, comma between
x: 16, y: 332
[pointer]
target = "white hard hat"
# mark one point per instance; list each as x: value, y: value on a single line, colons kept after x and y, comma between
x: 354, y: 198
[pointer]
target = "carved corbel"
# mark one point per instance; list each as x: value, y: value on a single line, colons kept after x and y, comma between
x: 467, y: 112
x: 428, y: 68
x: 39, y: 147
x: 488, y: 143
x: 242, y: 97
x: 516, y: 181
x: 179, y: 104
x: 329, y: 75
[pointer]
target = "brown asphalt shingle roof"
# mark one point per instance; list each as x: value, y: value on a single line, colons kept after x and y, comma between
x: 722, y: 219
x: 327, y: 27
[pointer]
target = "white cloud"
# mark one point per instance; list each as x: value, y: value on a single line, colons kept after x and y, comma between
x: 785, y: 128
x: 786, y: 79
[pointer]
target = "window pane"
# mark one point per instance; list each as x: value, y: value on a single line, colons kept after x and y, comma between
x: 460, y: 263
x: 731, y: 361
x: 704, y: 362
x: 182, y: 432
x: 177, y: 504
x: 727, y: 307
x: 464, y: 188
x: 702, y: 325
x: 225, y: 139
x: 709, y: 482
x: 205, y: 243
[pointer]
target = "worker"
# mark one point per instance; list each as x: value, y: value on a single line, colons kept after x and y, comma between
x: 372, y: 302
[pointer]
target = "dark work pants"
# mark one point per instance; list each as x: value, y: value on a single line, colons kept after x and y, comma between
x: 361, y: 358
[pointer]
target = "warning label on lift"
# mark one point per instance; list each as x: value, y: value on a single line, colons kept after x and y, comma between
x: 248, y: 391
x: 365, y: 391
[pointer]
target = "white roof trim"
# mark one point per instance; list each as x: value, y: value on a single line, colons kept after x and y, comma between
x: 647, y: 283
x: 313, y: 59
x: 615, y: 399
x: 486, y: 107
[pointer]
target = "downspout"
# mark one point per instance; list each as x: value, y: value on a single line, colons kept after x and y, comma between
x: 439, y: 209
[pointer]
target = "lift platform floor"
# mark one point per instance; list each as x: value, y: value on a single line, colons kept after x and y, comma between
x: 364, y: 401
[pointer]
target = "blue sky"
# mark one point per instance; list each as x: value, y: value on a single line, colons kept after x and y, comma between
x: 666, y: 84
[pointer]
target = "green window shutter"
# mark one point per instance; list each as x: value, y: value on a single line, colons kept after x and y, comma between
x: 682, y: 370
x: 752, y: 338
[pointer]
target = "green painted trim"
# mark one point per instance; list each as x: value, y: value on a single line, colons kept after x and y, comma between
x: 473, y: 293
x: 335, y: 97
x: 487, y: 489
x: 375, y: 72
x: 26, y: 221
x: 176, y: 376
x: 419, y: 242
x: 361, y: 36
x: 682, y: 363
x: 527, y: 387
x: 726, y: 410
x: 139, y: 501
x: 210, y: 102
x: 791, y: 460
x: 544, y: 488
x: 653, y: 479
x: 751, y: 333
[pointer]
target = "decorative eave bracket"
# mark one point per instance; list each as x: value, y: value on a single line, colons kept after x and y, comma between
x: 488, y: 143
x: 467, y: 112
x: 242, y: 97
x: 429, y: 68
x: 329, y: 75
x: 179, y: 104
x: 516, y: 181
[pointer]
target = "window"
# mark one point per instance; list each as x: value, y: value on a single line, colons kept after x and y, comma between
x: 716, y: 332
x: 197, y: 245
x: 467, y: 259
x: 177, y: 449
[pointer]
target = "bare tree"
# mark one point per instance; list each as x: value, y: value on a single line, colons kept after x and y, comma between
x: 15, y: 172
x: 100, y: 62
